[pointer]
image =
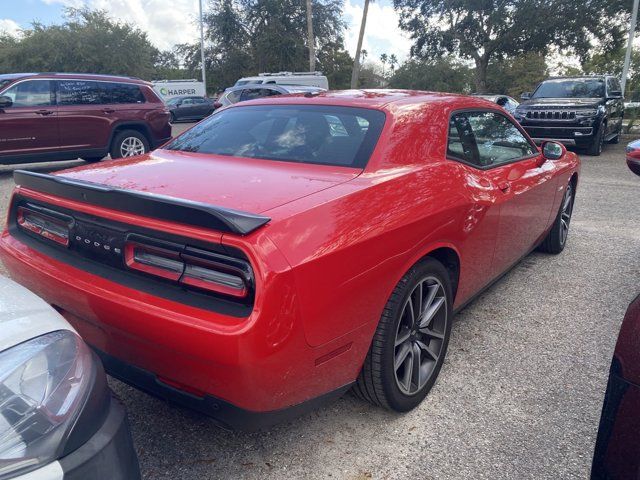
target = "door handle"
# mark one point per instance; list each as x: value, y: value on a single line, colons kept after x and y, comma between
x: 108, y: 110
x: 504, y: 186
x: 44, y: 112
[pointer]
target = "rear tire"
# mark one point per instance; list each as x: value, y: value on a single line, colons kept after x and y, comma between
x: 556, y: 239
x: 615, y: 140
x: 129, y: 143
x: 408, y: 350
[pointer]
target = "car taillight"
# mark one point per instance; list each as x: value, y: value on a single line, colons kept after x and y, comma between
x: 51, y: 227
x: 153, y: 260
x: 191, y: 267
x: 217, y: 273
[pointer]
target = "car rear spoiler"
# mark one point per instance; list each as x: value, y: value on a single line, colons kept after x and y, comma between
x: 143, y: 203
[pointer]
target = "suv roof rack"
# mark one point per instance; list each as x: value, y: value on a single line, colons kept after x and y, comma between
x: 88, y: 74
x: 175, y: 81
x: 280, y: 74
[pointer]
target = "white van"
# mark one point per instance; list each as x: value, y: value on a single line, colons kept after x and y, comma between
x: 311, y: 79
x: 168, y: 89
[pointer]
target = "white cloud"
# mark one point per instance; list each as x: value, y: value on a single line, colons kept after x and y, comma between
x: 381, y: 35
x: 167, y: 22
x: 10, y: 27
x: 66, y: 3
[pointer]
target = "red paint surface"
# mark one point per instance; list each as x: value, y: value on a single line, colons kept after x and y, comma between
x: 338, y: 242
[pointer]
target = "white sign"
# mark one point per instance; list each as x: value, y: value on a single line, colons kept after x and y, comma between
x: 168, y: 89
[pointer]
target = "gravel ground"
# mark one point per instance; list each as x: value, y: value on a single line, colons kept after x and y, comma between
x: 519, y: 395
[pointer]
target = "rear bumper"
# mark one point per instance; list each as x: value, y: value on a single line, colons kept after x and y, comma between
x: 261, y: 363
x: 225, y: 414
x: 158, y: 142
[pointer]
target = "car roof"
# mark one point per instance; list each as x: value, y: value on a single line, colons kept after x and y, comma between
x: 373, y: 98
x: 80, y: 76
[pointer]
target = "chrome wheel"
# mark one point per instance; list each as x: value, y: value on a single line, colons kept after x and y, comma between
x: 131, y: 146
x: 565, y: 216
x: 420, y: 336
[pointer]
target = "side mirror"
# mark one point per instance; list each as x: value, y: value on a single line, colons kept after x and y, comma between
x: 553, y: 150
x: 525, y: 96
x: 615, y: 94
x: 5, y: 102
x: 217, y: 105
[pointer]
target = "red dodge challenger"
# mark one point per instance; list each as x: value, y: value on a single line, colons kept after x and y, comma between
x: 287, y: 249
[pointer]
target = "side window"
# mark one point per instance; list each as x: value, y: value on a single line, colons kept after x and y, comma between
x: 486, y: 139
x: 234, y: 97
x: 613, y: 85
x: 187, y: 101
x: 33, y: 93
x: 197, y: 101
x: 121, y: 93
x: 250, y: 94
x: 79, y: 92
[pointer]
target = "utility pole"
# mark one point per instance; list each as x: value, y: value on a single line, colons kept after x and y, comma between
x: 356, y: 62
x: 204, y: 75
x: 632, y: 32
x: 311, y: 39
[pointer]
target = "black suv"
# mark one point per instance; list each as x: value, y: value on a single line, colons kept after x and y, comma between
x: 583, y: 111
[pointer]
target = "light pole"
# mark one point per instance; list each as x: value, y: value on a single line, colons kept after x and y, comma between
x: 627, y: 57
x: 204, y: 75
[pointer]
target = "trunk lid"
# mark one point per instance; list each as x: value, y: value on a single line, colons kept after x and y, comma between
x: 248, y: 185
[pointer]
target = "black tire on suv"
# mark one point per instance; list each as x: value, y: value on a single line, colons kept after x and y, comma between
x: 128, y: 143
x: 595, y: 149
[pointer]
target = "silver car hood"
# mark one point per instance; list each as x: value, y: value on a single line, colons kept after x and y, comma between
x: 24, y: 315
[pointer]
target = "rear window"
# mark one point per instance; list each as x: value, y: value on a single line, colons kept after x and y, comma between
x: 325, y: 135
x: 87, y: 92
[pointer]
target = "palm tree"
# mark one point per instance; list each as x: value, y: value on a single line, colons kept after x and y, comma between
x: 383, y: 58
x: 310, y: 38
x: 393, y: 61
x: 356, y: 61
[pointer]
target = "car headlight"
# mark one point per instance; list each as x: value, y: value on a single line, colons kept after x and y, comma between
x: 592, y: 112
x: 43, y: 385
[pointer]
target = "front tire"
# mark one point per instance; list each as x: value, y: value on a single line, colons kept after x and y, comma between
x: 410, y: 343
x: 556, y: 239
x: 595, y: 149
x: 129, y: 143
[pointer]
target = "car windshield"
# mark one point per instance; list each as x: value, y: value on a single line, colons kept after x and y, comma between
x: 324, y: 135
x: 571, y: 88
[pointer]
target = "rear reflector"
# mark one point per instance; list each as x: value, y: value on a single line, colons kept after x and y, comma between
x: 47, y: 226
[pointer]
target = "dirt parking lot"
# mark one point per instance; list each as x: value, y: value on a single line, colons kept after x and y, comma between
x: 519, y: 396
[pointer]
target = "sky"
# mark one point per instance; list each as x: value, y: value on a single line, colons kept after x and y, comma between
x: 169, y: 22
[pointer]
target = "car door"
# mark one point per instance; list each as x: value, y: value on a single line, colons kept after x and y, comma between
x: 615, y: 106
x: 201, y: 107
x: 525, y: 181
x: 30, y: 124
x: 85, y: 115
x: 185, y: 109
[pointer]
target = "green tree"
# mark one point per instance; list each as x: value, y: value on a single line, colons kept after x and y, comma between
x: 384, y: 58
x: 88, y: 41
x: 515, y: 75
x: 490, y: 30
x: 441, y: 75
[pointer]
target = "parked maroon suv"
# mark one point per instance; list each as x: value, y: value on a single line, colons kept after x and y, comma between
x: 46, y: 117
